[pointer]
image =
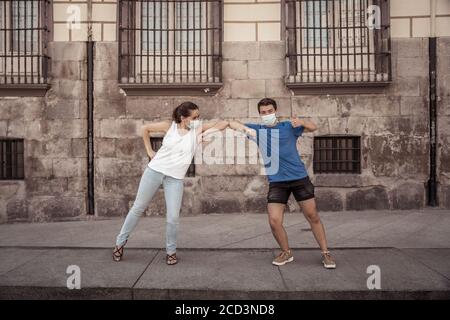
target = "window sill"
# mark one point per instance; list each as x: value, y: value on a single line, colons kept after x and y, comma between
x: 167, y: 89
x: 23, y: 90
x: 344, y: 180
x: 338, y: 88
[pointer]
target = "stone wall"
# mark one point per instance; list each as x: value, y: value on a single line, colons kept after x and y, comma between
x: 443, y: 125
x: 393, y: 126
x: 54, y: 129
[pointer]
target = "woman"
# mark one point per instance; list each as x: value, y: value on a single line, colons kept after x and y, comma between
x: 168, y: 167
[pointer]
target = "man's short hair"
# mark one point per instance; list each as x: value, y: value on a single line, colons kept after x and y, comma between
x: 267, y: 102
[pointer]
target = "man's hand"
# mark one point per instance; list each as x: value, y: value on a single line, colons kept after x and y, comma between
x: 307, y: 124
x: 296, y: 122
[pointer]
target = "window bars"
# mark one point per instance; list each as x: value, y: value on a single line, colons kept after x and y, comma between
x: 338, y: 41
x: 24, y: 33
x: 170, y: 42
x: 337, y: 154
x: 11, y: 159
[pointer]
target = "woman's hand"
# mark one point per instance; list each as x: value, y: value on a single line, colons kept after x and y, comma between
x: 250, y: 132
x: 151, y: 154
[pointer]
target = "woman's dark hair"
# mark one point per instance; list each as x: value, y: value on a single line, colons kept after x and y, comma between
x: 184, y: 110
x: 267, y: 102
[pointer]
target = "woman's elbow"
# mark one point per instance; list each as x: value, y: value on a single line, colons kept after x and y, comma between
x: 232, y: 124
x: 144, y: 131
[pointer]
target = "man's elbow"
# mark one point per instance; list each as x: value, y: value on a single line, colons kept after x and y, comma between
x: 311, y: 128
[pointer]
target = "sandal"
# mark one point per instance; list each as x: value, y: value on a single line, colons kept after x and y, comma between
x: 118, y: 252
x: 171, y: 259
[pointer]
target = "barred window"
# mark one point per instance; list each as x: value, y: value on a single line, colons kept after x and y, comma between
x: 156, y: 143
x: 24, y: 33
x: 11, y: 159
x: 171, y: 44
x: 337, y: 42
x: 337, y: 154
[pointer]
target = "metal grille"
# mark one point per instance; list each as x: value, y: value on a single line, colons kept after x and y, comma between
x: 170, y: 41
x: 337, y: 154
x: 11, y: 159
x: 23, y: 41
x: 156, y: 143
x: 332, y: 41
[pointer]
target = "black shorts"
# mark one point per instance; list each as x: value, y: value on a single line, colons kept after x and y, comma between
x: 279, y: 192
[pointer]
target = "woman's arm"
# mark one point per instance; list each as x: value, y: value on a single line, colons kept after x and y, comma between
x: 309, y: 126
x: 238, y: 126
x: 212, y: 127
x: 161, y: 127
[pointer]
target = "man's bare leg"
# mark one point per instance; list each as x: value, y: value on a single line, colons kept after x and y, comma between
x: 276, y: 215
x: 310, y: 211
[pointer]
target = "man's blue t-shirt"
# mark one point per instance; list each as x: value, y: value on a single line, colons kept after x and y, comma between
x: 278, y: 147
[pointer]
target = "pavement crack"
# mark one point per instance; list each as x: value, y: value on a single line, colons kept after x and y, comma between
x: 281, y: 275
x: 422, y: 263
x: 255, y: 236
x: 25, y: 262
x: 370, y: 230
x: 140, y: 276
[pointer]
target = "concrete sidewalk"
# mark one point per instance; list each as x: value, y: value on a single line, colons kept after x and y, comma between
x: 229, y: 257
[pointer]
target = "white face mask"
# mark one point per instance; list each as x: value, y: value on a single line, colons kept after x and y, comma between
x: 193, y: 124
x: 268, y: 119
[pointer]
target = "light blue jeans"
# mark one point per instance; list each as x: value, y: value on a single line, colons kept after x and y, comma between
x: 173, y: 194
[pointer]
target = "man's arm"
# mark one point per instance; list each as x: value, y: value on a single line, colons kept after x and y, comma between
x: 238, y: 126
x: 307, y: 124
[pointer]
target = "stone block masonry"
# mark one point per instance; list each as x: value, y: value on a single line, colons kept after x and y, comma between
x: 393, y: 126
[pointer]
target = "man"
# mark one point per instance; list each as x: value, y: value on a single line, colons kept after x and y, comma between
x: 286, y: 174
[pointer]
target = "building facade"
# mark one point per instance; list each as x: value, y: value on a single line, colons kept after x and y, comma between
x: 78, y: 79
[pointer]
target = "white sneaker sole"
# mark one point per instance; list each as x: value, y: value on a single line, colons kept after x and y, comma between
x: 284, y: 262
x: 329, y: 266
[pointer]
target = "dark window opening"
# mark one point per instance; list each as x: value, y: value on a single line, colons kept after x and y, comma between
x: 11, y: 159
x: 338, y: 42
x: 337, y: 154
x: 170, y: 43
x: 156, y: 143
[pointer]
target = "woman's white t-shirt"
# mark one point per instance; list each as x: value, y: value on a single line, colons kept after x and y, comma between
x: 176, y: 152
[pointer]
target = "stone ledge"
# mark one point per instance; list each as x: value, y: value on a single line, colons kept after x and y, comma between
x: 338, y: 180
x: 23, y: 90
x: 197, y: 89
x: 338, y: 88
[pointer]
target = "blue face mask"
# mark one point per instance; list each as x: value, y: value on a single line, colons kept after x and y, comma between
x: 268, y: 119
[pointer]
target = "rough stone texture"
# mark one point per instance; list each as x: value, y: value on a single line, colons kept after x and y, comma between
x: 393, y: 126
x: 54, y: 128
x: 328, y: 200
x: 367, y: 199
x: 443, y: 125
x: 409, y: 196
